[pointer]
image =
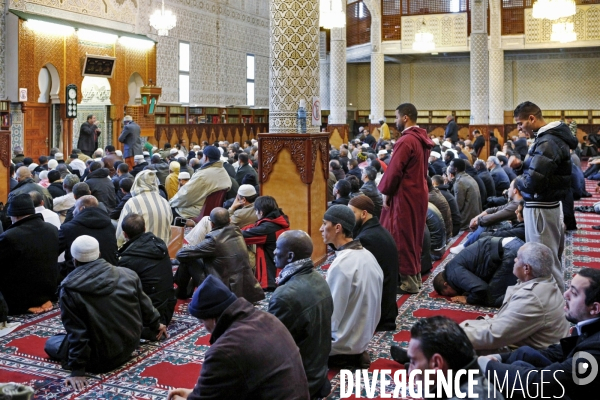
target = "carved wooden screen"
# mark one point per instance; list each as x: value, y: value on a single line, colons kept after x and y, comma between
x: 390, y: 19
x: 358, y: 24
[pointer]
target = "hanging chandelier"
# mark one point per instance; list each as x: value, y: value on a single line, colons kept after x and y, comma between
x: 423, y: 40
x: 331, y: 14
x: 563, y: 32
x: 554, y: 9
x: 163, y: 21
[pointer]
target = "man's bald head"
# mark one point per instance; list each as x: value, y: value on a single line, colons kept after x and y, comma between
x: 23, y: 173
x: 297, y: 242
x: 219, y: 216
x: 86, y: 202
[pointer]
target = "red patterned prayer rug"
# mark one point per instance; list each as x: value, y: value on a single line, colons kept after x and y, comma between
x: 156, y: 367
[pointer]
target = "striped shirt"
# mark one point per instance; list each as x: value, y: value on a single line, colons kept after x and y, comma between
x: 147, y: 201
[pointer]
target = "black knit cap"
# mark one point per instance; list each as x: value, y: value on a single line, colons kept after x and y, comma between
x: 210, y: 299
x: 20, y: 205
x: 342, y: 215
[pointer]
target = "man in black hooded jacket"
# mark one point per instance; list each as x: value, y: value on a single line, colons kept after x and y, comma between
x: 103, y: 309
x: 545, y: 180
x: 148, y: 256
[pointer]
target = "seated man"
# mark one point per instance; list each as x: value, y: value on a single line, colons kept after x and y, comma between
x: 103, y: 309
x: 438, y: 183
x: 560, y: 370
x: 501, y: 180
x: 532, y: 311
x: 49, y: 216
x: 517, y: 229
x: 251, y: 356
x: 356, y: 283
x: 439, y: 344
x: 481, y: 273
x: 81, y: 189
x: 493, y: 218
x: 62, y: 204
x: 146, y: 201
x: 341, y: 192
x: 210, y: 178
x: 101, y: 186
x: 369, y: 188
x: 241, y: 214
x: 271, y: 223
x: 303, y: 303
x: 439, y: 201
x: 125, y: 189
x: 223, y: 254
x: 90, y: 220
x: 148, y: 256
x: 382, y: 245
x: 28, y: 250
x: 437, y: 231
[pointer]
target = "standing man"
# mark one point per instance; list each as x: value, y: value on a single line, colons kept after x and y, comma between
x: 479, y: 143
x: 384, y: 129
x: 545, y: 180
x: 451, y: 130
x: 405, y: 195
x: 88, y: 136
x: 130, y: 137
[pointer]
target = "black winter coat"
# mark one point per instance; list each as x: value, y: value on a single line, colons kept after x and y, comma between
x: 102, y: 188
x: 438, y: 200
x: 303, y: 303
x: 56, y: 189
x: 148, y: 256
x: 547, y: 167
x: 484, y: 270
x: 437, y: 229
x: 517, y: 230
x: 382, y: 245
x: 28, y: 254
x: 252, y: 356
x: 488, y: 181
x: 454, y: 210
x: 90, y: 221
x: 103, y: 309
x: 426, y: 263
x: 116, y: 212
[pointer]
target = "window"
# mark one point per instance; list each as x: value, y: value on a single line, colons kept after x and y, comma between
x: 184, y: 72
x: 249, y: 79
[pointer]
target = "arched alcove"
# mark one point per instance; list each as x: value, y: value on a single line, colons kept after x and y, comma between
x: 134, y: 86
x: 49, y: 84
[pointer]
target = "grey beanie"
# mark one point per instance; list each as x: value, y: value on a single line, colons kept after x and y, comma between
x: 342, y: 215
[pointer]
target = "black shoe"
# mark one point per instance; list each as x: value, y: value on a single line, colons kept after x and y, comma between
x: 596, y: 227
x: 586, y: 194
x: 399, y: 354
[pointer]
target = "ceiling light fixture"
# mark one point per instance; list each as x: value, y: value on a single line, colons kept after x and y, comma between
x: 423, y: 39
x: 553, y: 9
x: 331, y: 14
x: 163, y: 21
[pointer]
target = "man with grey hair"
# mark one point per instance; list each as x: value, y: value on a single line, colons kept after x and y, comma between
x: 532, y: 312
x: 18, y: 155
x: 26, y: 184
x: 63, y: 203
x: 501, y: 180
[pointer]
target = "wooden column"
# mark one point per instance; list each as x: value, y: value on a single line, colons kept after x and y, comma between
x: 294, y: 169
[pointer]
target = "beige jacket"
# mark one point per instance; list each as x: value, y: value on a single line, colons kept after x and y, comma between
x: 190, y: 198
x: 531, y: 315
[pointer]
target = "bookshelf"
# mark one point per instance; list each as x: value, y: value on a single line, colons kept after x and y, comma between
x: 178, y: 115
x: 5, y: 120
